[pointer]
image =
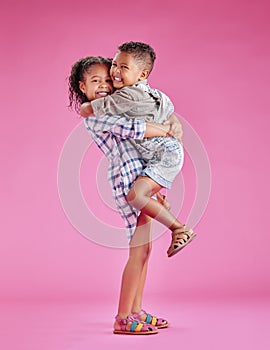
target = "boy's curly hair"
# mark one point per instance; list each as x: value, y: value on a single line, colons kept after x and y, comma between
x: 143, y: 53
x: 79, y: 68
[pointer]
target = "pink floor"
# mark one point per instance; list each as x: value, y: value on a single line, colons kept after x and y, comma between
x: 210, y: 324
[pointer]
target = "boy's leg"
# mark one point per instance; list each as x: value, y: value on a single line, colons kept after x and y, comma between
x: 139, y: 197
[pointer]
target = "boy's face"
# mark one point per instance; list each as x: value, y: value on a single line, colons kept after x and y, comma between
x: 97, y: 82
x: 126, y: 71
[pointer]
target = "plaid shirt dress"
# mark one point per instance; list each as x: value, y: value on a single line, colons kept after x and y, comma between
x: 113, y: 136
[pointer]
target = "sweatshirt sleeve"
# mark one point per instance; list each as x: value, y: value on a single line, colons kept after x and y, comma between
x: 120, y: 102
x: 117, y: 126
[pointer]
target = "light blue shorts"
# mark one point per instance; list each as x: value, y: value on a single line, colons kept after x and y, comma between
x: 166, y: 163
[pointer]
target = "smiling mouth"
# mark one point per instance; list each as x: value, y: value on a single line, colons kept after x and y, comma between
x: 117, y: 79
x: 103, y: 93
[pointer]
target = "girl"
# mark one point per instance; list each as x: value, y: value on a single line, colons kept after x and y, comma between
x: 90, y: 80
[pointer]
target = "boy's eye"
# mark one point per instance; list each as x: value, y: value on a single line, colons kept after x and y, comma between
x: 124, y: 67
x: 95, y: 81
x: 114, y: 64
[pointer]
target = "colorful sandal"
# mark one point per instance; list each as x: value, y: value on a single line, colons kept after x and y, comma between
x: 132, y: 326
x: 180, y: 238
x: 148, y: 318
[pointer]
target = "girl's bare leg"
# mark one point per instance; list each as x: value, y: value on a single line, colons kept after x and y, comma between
x: 134, y: 274
x: 137, y: 304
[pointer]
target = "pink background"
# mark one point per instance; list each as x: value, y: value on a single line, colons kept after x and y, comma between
x: 213, y: 61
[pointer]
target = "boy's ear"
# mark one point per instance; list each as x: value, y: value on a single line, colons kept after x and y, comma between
x: 82, y: 86
x: 144, y: 74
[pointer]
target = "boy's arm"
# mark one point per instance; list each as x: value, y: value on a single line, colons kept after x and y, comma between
x: 86, y: 109
x: 120, y: 102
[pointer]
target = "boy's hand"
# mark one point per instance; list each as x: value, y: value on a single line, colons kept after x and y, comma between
x: 175, y: 127
x: 86, y: 109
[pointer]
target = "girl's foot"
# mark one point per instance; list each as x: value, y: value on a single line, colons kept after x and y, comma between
x: 148, y: 318
x: 180, y: 238
x: 132, y: 326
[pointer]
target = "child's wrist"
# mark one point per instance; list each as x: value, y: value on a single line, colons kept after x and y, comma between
x: 167, y: 130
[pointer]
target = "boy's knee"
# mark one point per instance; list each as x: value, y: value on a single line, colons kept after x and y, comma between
x: 130, y: 196
x: 136, y: 198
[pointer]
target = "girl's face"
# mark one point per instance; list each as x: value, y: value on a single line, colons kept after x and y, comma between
x: 97, y: 82
x: 126, y: 71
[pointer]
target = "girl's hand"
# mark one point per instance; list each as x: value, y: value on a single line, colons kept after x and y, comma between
x: 175, y: 127
x: 162, y: 200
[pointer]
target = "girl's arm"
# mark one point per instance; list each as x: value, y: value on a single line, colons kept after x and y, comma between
x: 124, y: 128
x: 154, y: 129
x: 172, y: 128
x: 117, y: 126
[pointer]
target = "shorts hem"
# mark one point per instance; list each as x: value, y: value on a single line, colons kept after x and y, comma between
x: 159, y: 179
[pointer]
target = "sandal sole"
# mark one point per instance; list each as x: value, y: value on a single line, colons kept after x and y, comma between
x: 135, y: 333
x: 164, y: 326
x: 177, y: 250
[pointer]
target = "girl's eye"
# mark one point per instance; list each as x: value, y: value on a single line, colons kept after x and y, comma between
x: 95, y: 81
x: 125, y: 67
x: 114, y: 64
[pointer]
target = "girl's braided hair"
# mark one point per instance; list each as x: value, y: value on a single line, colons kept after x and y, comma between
x: 79, y: 68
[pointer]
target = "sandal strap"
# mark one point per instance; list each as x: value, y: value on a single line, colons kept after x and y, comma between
x: 124, y: 321
x: 150, y: 319
x: 181, y: 232
x: 133, y: 326
x: 136, y: 326
x: 180, y: 238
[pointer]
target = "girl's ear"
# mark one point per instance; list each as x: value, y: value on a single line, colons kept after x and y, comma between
x: 144, y: 74
x: 82, y: 86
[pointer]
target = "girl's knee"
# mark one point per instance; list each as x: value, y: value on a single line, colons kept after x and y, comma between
x: 149, y: 250
x: 142, y: 255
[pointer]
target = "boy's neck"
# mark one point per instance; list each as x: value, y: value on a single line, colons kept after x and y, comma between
x: 144, y: 81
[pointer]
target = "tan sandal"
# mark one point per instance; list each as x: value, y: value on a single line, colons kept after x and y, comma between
x: 180, y: 238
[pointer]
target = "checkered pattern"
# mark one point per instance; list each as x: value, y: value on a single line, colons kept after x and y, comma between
x: 113, y: 136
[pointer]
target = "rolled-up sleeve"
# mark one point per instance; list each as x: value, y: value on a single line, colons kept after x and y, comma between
x: 117, y: 126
